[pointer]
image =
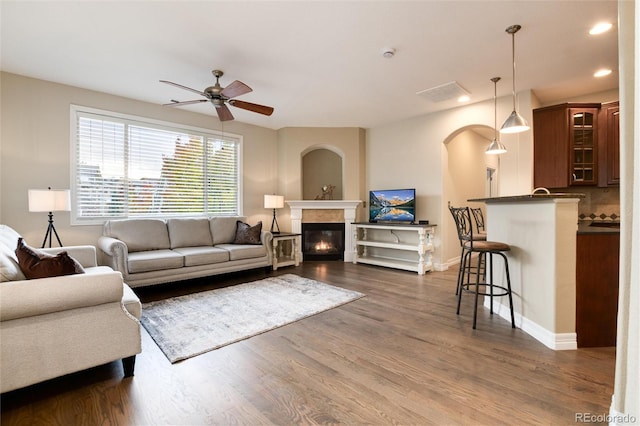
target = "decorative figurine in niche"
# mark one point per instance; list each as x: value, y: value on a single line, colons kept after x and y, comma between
x: 327, y: 192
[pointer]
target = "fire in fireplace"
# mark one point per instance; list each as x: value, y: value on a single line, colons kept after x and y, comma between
x: 323, y: 241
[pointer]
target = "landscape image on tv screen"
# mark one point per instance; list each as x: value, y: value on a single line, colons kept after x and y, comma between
x: 393, y: 205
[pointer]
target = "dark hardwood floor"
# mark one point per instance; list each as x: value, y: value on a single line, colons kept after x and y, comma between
x: 400, y: 355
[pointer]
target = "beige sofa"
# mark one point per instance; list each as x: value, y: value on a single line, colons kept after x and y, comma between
x: 50, y: 327
x: 154, y: 251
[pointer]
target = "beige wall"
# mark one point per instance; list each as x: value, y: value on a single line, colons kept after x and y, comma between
x: 412, y: 154
x: 35, y: 142
x: 295, y: 142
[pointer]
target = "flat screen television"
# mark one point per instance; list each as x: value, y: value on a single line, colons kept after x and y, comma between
x: 392, y: 205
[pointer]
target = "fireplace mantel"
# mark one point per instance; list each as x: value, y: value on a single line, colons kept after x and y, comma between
x: 324, y: 204
x: 348, y: 206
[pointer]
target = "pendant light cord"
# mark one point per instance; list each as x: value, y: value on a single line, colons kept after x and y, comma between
x: 513, y: 29
x: 513, y: 57
x: 495, y: 106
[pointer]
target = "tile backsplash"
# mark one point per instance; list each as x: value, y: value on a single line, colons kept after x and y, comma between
x: 598, y: 203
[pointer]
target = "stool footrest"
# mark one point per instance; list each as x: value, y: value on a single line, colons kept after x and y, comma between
x: 505, y: 291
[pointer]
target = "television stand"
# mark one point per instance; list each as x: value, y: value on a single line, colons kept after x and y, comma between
x: 394, y: 245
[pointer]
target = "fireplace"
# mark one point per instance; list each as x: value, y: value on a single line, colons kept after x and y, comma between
x: 323, y: 241
x: 346, y: 218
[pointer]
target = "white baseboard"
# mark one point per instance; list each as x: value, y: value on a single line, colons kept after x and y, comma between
x: 616, y: 418
x: 441, y: 267
x: 555, y: 341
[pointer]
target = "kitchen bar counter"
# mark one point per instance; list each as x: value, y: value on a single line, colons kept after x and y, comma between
x: 528, y: 197
x: 541, y: 230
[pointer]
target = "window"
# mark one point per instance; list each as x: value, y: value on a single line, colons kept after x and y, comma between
x: 125, y: 166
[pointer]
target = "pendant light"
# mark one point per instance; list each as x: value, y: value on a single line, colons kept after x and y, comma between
x: 515, y: 123
x: 495, y: 147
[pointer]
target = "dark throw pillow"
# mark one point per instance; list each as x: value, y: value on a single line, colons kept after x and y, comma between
x: 246, y: 234
x: 36, y: 264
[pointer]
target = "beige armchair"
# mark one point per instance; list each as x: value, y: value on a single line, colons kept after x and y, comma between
x: 50, y: 327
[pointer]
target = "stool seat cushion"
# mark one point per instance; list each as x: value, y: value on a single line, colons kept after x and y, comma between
x: 487, y: 246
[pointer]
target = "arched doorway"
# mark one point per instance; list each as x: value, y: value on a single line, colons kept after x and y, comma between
x: 468, y: 173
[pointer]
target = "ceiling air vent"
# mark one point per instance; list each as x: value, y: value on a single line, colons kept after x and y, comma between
x: 444, y: 92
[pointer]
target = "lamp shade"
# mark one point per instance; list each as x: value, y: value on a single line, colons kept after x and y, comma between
x: 515, y: 123
x: 273, y: 201
x: 495, y: 147
x: 49, y: 200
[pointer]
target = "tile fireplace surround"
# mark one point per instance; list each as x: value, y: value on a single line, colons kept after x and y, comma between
x: 348, y: 208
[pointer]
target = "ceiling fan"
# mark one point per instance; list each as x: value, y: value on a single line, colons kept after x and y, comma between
x: 220, y: 96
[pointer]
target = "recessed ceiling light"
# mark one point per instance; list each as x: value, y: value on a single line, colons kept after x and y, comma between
x: 464, y: 98
x: 600, y: 28
x: 602, y: 73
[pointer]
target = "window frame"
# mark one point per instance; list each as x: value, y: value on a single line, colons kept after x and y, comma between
x: 77, y: 111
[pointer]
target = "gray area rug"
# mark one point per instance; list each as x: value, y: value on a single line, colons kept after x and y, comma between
x: 191, y: 325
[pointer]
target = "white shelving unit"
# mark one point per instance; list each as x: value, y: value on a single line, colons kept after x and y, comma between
x: 400, y: 246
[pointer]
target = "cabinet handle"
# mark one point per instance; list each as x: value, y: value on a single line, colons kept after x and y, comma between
x: 574, y: 177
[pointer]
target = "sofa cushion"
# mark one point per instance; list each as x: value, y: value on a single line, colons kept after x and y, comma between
x: 9, y: 267
x: 35, y: 264
x: 154, y: 260
x: 244, y: 251
x: 139, y: 234
x: 223, y: 229
x: 185, y: 232
x: 8, y: 237
x: 247, y: 234
x: 203, y: 255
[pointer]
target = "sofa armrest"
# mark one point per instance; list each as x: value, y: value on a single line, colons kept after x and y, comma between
x: 117, y: 253
x: 86, y: 255
x: 20, y: 299
x: 265, y: 238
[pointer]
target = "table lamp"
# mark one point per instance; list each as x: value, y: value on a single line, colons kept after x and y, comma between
x: 50, y: 200
x: 274, y: 202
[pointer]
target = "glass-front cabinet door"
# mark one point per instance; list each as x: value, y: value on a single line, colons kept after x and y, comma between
x: 583, y: 133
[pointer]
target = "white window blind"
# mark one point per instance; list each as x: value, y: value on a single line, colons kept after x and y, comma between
x: 126, y: 167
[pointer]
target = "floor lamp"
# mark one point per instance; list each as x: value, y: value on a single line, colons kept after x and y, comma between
x: 50, y: 200
x: 274, y: 202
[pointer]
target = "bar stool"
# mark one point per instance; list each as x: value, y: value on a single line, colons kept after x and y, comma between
x: 476, y: 236
x: 481, y: 233
x: 470, y: 245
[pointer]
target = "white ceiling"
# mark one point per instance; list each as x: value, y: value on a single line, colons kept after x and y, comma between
x: 318, y: 63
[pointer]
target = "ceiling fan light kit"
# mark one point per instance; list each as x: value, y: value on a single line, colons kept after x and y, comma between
x: 221, y: 96
x: 515, y: 123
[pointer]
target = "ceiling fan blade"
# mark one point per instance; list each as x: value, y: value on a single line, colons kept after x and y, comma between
x: 223, y: 113
x: 235, y: 89
x: 260, y: 109
x: 176, y: 103
x: 183, y: 87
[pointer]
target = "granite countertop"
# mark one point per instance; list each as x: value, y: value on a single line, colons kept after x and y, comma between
x: 599, y: 227
x: 528, y: 197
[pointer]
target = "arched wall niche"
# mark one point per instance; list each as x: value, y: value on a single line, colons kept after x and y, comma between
x: 322, y: 166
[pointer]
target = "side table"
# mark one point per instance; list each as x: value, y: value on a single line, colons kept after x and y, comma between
x: 283, y: 257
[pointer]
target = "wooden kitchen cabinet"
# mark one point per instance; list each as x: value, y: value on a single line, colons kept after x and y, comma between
x: 609, y: 145
x: 597, y: 273
x: 566, y: 145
